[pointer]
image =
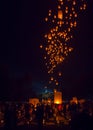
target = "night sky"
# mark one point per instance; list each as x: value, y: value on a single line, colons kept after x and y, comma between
x: 22, y: 68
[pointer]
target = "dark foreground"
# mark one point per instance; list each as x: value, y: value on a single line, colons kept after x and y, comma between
x: 35, y: 127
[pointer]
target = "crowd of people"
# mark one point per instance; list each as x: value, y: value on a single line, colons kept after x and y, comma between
x: 79, y: 116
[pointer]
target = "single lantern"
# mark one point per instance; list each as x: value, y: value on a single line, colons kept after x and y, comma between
x: 58, y: 97
x: 60, y: 14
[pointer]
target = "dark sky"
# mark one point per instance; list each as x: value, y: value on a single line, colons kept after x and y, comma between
x: 22, y: 69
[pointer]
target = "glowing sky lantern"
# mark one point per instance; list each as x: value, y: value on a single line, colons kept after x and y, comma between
x: 57, y: 97
x: 60, y: 14
x: 41, y: 46
x: 59, y: 73
x: 49, y: 36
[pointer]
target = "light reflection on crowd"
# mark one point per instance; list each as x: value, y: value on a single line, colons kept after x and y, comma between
x: 27, y: 113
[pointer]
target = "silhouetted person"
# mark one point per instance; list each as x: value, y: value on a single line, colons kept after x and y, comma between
x: 13, y: 117
x: 81, y: 121
x: 10, y: 117
x: 27, y: 113
x: 39, y: 116
x: 7, y: 117
x: 47, y: 112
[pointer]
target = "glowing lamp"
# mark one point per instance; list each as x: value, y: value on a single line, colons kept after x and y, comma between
x: 41, y: 46
x: 49, y: 36
x: 52, y: 78
x: 60, y: 14
x: 57, y: 97
x: 56, y: 83
x: 74, y: 100
x: 34, y: 101
x: 59, y: 74
x: 46, y: 19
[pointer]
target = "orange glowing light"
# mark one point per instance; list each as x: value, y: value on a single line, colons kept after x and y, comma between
x: 60, y: 14
x: 60, y: 32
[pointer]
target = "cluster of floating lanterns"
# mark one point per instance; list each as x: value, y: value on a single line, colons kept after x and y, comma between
x: 61, y: 23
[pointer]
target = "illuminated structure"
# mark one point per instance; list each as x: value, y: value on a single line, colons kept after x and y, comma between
x: 34, y: 101
x: 57, y: 97
x: 61, y: 22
